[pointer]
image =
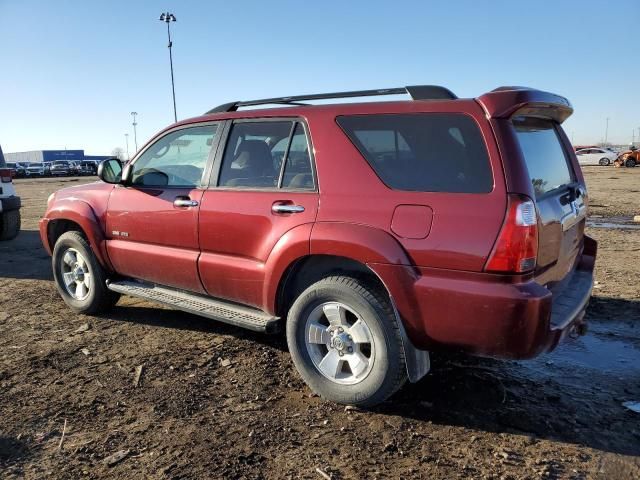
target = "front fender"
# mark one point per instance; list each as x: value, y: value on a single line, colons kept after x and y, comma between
x: 81, y: 213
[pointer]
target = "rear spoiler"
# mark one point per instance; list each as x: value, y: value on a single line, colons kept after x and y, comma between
x: 506, y: 102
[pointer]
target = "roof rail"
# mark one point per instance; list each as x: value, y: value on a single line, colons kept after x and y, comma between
x: 417, y: 92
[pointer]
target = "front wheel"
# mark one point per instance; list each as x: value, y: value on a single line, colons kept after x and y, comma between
x: 345, y: 342
x: 604, y: 162
x: 630, y: 163
x: 80, y: 279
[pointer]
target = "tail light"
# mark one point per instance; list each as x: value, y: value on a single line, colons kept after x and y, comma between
x: 5, y: 175
x: 516, y: 249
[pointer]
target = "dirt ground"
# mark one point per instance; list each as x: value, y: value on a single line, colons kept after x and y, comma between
x: 559, y: 416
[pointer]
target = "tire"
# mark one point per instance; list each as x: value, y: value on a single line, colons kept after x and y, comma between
x: 385, y: 370
x: 10, y: 224
x: 630, y: 163
x: 604, y: 162
x: 92, y: 298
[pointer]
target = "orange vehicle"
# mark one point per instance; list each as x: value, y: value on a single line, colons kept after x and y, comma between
x: 628, y: 158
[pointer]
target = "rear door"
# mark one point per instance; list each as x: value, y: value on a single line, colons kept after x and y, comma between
x: 559, y: 194
x: 263, y: 188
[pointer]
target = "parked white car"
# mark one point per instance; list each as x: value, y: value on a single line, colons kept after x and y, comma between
x: 35, y: 170
x: 596, y: 156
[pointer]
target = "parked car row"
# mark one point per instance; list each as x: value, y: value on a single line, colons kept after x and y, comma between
x: 594, y: 155
x: 65, y: 168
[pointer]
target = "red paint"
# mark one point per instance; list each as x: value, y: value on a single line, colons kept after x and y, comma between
x: 429, y: 249
x: 161, y: 242
x: 412, y: 221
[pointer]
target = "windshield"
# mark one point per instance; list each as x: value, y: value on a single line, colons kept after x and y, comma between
x: 543, y: 153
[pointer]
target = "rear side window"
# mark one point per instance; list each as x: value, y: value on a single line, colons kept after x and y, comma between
x: 543, y: 153
x: 431, y: 152
x: 267, y: 155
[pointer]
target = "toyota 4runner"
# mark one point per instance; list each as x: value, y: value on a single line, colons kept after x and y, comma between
x: 372, y: 233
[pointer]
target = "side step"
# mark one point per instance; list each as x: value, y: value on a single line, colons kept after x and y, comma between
x: 237, y: 315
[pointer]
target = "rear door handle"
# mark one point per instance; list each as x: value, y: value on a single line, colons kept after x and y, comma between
x: 184, y: 202
x: 286, y: 208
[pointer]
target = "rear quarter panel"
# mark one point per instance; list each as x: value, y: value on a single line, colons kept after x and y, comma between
x: 464, y: 226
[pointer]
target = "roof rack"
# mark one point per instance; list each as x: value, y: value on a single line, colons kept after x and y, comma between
x: 417, y: 92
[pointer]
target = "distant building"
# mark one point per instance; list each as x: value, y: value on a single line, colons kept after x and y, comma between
x: 47, y: 156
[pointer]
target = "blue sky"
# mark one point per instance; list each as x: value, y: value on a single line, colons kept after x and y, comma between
x: 72, y: 71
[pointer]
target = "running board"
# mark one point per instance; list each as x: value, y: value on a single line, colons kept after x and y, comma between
x: 230, y: 313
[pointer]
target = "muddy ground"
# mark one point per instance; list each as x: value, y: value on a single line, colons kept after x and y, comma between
x: 559, y: 416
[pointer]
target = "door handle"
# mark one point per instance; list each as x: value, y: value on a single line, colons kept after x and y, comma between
x: 184, y: 202
x: 285, y: 208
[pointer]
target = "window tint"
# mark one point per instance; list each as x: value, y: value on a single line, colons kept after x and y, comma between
x: 256, y: 151
x: 543, y: 154
x: 176, y: 160
x: 248, y: 158
x: 297, y: 170
x: 423, y: 152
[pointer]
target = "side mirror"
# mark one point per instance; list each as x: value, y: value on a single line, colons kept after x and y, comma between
x: 110, y: 171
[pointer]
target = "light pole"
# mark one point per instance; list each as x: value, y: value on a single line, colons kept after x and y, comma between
x: 169, y: 17
x: 606, y: 133
x: 135, y: 134
x: 126, y: 137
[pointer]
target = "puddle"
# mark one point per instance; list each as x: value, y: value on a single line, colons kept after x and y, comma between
x: 622, y: 226
x: 623, y: 223
x: 592, y: 352
x: 587, y: 356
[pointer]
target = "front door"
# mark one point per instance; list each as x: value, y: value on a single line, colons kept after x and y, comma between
x: 152, y: 222
x: 265, y: 188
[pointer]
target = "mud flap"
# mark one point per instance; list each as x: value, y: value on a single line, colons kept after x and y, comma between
x: 417, y: 361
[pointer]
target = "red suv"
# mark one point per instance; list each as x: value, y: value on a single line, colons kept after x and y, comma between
x: 372, y: 232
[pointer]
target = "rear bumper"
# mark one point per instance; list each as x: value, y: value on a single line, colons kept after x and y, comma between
x: 10, y: 203
x: 487, y: 314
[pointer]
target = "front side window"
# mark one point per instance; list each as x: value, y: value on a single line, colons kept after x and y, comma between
x: 430, y: 152
x: 271, y: 154
x: 543, y: 154
x: 176, y: 160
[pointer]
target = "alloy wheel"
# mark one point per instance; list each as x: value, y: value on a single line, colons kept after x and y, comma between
x: 76, y: 275
x: 339, y: 343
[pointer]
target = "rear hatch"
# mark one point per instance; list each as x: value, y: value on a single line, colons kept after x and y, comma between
x: 560, y: 197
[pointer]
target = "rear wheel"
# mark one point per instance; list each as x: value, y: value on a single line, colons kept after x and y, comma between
x: 604, y: 162
x: 80, y: 279
x: 630, y: 163
x: 345, y: 342
x: 9, y: 224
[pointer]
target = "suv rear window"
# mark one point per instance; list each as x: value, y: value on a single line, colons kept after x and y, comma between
x: 543, y: 153
x: 431, y: 152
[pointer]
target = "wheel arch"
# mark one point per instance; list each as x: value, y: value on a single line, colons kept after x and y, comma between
x: 307, y: 270
x: 80, y: 217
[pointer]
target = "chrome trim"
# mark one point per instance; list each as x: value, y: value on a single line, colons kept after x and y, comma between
x: 181, y: 202
x: 279, y: 208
